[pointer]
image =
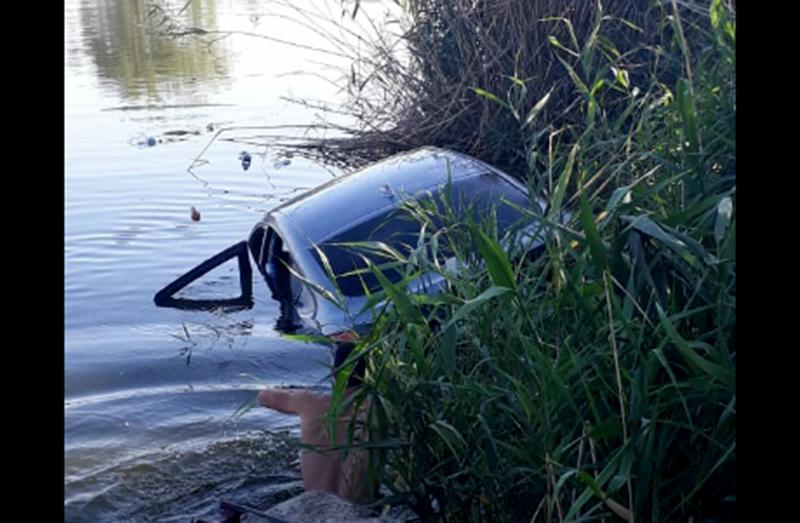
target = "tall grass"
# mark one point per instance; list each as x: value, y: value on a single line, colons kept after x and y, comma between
x: 416, y: 85
x: 596, y: 381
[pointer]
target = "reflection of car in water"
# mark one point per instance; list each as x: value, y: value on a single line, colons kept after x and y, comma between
x: 363, y: 206
x: 367, y: 206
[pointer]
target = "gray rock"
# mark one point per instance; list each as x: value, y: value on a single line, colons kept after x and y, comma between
x: 316, y: 507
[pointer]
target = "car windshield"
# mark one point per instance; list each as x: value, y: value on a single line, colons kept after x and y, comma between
x: 475, y: 196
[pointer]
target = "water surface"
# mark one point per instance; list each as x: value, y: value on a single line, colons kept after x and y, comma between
x: 150, y: 392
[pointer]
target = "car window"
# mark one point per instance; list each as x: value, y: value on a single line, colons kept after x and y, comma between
x: 480, y: 194
x: 476, y: 195
x: 395, y: 228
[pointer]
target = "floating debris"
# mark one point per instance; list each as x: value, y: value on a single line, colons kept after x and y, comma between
x: 245, y: 158
x: 151, y: 107
x: 195, y: 215
x: 150, y: 141
x: 180, y: 132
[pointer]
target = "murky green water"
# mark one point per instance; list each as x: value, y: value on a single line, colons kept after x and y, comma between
x: 149, y: 432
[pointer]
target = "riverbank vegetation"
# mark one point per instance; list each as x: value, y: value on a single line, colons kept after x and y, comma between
x: 596, y: 381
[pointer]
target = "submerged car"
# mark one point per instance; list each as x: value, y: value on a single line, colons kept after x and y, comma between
x: 292, y: 240
x: 298, y: 246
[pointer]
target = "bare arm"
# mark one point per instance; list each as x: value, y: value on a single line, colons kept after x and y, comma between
x: 287, y: 401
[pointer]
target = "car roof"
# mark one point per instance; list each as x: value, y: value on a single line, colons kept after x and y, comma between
x: 322, y: 212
